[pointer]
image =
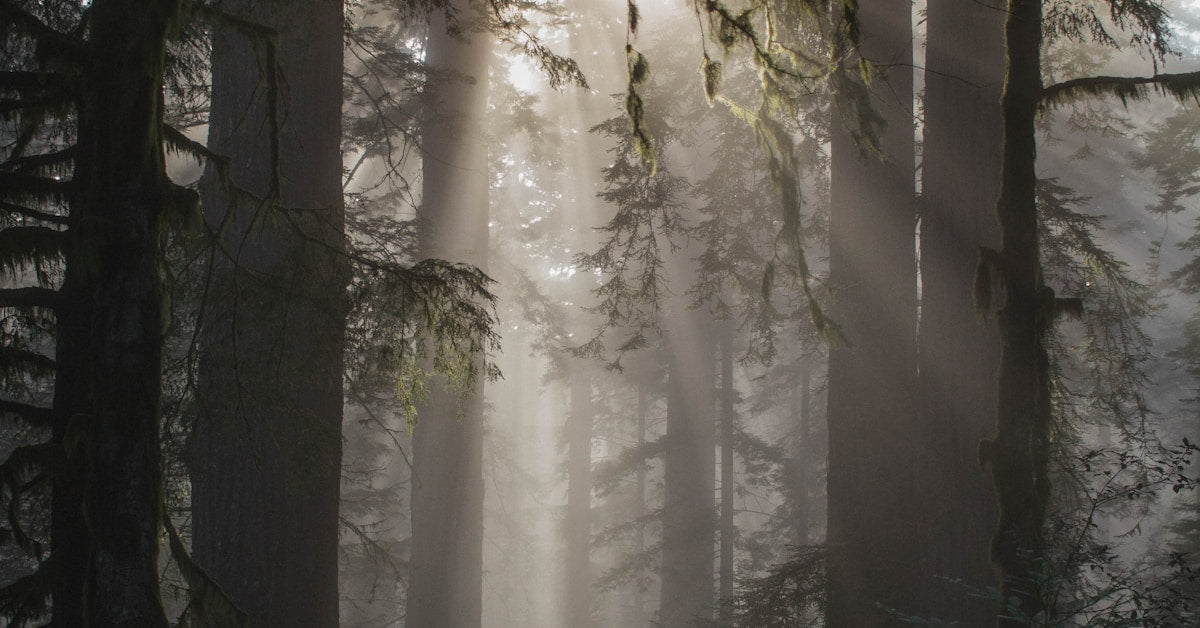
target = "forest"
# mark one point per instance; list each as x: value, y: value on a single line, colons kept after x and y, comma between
x: 599, y: 313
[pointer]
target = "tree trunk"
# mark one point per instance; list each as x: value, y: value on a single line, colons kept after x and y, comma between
x: 266, y: 452
x: 578, y: 566
x: 801, y: 500
x: 689, y: 471
x: 1019, y: 452
x: 639, y: 509
x: 959, y: 357
x: 110, y: 329
x: 447, y: 494
x: 872, y: 374
x: 725, y: 587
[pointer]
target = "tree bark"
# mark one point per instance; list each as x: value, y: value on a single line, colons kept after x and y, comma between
x: 639, y: 508
x: 1019, y: 452
x: 959, y: 357
x: 447, y: 493
x: 801, y: 500
x: 105, y: 519
x: 266, y: 451
x: 727, y: 531
x: 689, y: 523
x: 872, y: 373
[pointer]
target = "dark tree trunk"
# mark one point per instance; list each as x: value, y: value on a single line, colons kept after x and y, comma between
x: 1019, y: 452
x: 872, y: 374
x: 266, y: 452
x: 110, y: 329
x: 727, y: 531
x: 802, y: 464
x: 689, y: 471
x: 959, y: 357
x: 578, y: 567
x: 445, y: 589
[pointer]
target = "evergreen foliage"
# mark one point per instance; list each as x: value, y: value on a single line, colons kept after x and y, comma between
x: 775, y: 77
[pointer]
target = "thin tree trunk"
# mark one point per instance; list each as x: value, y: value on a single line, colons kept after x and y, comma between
x: 266, y: 452
x: 803, y: 462
x: 959, y: 357
x: 639, y: 509
x: 578, y: 566
x: 727, y: 531
x: 872, y: 374
x: 446, y: 586
x: 110, y: 331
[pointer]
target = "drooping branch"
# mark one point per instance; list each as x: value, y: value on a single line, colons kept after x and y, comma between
x: 29, y: 297
x: 268, y: 69
x: 23, y: 20
x: 8, y: 105
x: 18, y: 80
x: 175, y: 140
x: 1180, y: 86
x: 25, y: 468
x: 24, y: 600
x: 28, y: 163
x: 23, y: 185
x: 29, y: 212
x: 31, y: 362
x: 36, y: 416
x: 208, y: 603
x: 22, y: 246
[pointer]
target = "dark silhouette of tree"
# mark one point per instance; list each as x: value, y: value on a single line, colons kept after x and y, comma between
x: 958, y: 354
x: 103, y: 458
x: 1010, y: 282
x: 266, y: 450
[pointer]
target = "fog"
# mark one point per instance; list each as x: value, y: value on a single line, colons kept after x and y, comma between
x: 600, y: 313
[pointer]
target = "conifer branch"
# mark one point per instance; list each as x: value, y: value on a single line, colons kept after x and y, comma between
x: 24, y: 600
x: 23, y: 469
x: 15, y: 184
x: 22, y: 104
x: 17, y: 80
x: 35, y: 214
x: 177, y: 141
x: 17, y: 16
x: 36, y: 416
x: 26, y: 163
x: 27, y: 361
x: 23, y: 246
x: 29, y: 297
x: 1180, y: 86
x: 208, y: 604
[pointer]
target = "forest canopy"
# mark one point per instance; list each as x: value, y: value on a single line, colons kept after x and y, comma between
x: 595, y: 313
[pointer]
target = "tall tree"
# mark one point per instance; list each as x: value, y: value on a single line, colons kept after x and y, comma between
x: 964, y: 73
x: 726, y: 417
x: 266, y: 452
x: 1010, y: 282
x: 109, y: 346
x: 578, y: 525
x: 872, y: 371
x: 689, y: 467
x: 447, y: 492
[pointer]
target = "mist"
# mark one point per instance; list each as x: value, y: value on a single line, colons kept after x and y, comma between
x: 600, y: 314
